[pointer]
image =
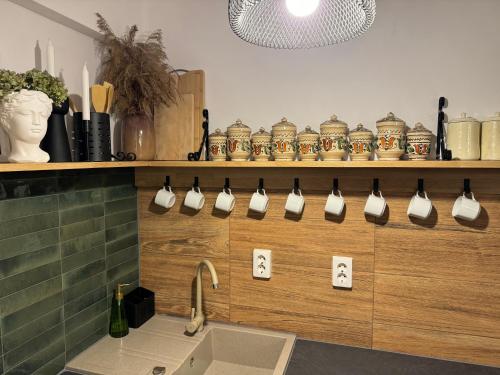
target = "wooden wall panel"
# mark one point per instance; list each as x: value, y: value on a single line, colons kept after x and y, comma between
x: 420, y: 287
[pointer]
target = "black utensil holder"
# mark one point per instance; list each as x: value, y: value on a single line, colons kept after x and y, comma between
x: 139, y: 306
x: 94, y: 143
x: 56, y: 142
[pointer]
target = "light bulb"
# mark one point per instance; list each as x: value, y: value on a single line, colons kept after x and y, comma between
x: 302, y: 8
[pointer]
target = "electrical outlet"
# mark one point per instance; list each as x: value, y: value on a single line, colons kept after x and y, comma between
x: 262, y: 263
x: 342, y: 272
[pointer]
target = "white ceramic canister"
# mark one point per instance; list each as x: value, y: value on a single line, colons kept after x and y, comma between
x: 284, y: 140
x: 261, y: 145
x: 418, y: 142
x: 308, y: 141
x: 333, y: 139
x: 490, y: 138
x: 238, y: 141
x: 217, y: 144
x: 390, y: 137
x: 360, y: 143
x: 463, y: 138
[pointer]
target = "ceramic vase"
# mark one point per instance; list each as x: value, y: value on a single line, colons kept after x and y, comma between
x: 463, y: 138
x: 138, y: 137
x: 490, y: 138
x: 217, y: 145
x: 390, y: 137
x: 238, y: 141
x: 308, y: 142
x: 418, y: 142
x: 261, y: 145
x: 360, y: 143
x: 333, y: 139
x: 284, y: 145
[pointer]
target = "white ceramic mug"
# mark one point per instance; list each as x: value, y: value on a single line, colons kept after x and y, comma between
x: 335, y: 204
x: 165, y: 197
x: 466, y: 208
x: 375, y: 205
x: 295, y: 203
x: 420, y: 207
x: 194, y: 199
x: 259, y: 202
x: 225, y: 201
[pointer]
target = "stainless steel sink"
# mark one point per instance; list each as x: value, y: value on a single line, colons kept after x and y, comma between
x: 233, y: 350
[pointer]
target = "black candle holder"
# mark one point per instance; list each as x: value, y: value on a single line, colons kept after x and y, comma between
x: 92, y: 139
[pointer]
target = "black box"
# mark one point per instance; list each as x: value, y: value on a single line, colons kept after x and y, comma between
x: 139, y: 306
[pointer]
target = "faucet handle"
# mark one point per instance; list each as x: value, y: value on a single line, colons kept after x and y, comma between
x: 193, y: 313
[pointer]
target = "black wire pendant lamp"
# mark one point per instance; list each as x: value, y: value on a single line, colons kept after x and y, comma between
x: 295, y: 24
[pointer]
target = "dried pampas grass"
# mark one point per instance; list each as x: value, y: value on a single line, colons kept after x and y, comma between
x: 139, y: 70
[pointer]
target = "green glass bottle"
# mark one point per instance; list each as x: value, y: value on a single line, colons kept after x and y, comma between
x: 118, y: 324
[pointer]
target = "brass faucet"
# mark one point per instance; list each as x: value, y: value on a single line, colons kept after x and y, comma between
x: 197, y: 317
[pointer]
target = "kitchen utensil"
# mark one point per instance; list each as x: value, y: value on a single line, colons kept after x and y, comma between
x: 109, y: 95
x: 418, y: 142
x: 360, y: 143
x: 217, y: 145
x: 463, y: 138
x: 99, y: 97
x: 490, y: 138
x: 333, y: 139
x: 283, y: 140
x: 238, y: 141
x: 308, y: 142
x: 261, y: 145
x: 390, y: 137
x: 194, y: 199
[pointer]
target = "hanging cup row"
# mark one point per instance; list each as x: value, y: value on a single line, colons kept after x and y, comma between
x: 466, y: 207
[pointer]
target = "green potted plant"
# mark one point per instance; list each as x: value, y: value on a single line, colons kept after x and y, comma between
x: 142, y: 78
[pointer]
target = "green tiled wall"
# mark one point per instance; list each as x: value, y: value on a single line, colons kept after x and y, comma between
x: 66, y: 239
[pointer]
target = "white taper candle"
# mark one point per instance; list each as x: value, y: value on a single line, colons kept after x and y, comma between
x: 50, y: 59
x: 85, y: 93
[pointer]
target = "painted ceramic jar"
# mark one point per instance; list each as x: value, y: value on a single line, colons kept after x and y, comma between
x: 333, y: 139
x: 463, y: 138
x: 238, y: 141
x: 284, y: 143
x: 418, y: 142
x: 390, y: 137
x: 217, y: 144
x: 261, y: 145
x: 360, y: 143
x: 490, y: 138
x: 308, y: 144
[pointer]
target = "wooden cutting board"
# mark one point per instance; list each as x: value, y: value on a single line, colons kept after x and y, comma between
x: 178, y: 129
x: 175, y: 129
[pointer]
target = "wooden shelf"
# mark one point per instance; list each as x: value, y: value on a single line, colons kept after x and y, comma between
x: 406, y: 164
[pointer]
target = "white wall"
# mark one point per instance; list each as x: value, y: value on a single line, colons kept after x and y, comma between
x: 415, y: 52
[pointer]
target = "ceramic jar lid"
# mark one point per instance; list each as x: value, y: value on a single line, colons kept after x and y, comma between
x: 419, y: 129
x: 308, y: 131
x: 217, y: 134
x: 284, y: 125
x: 361, y: 131
x: 334, y: 122
x: 496, y: 117
x: 239, y: 126
x: 463, y: 118
x: 390, y: 119
x: 262, y: 133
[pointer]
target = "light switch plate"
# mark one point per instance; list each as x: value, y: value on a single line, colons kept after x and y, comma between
x: 262, y: 263
x: 342, y: 272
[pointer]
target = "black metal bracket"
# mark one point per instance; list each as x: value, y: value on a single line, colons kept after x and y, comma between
x: 335, y: 185
x: 226, y: 185
x: 261, y: 186
x: 296, y: 186
x: 375, y: 185
x: 167, y: 181
x: 420, y: 187
x: 467, y: 186
x: 196, y: 183
x: 441, y: 152
x: 196, y: 155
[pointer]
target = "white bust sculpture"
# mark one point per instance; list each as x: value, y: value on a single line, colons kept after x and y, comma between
x: 23, y: 117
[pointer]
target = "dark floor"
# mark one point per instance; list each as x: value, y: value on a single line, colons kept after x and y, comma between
x: 315, y: 358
